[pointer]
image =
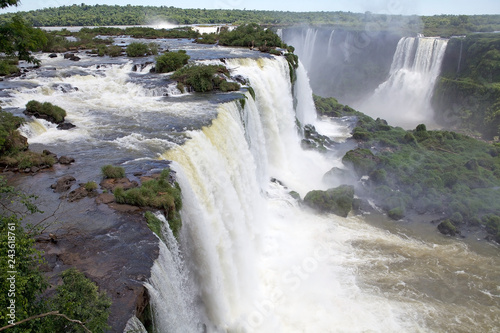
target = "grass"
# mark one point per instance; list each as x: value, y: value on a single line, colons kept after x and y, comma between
x: 110, y: 171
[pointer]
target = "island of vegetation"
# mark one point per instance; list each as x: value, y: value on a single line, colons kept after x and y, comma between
x: 408, y: 172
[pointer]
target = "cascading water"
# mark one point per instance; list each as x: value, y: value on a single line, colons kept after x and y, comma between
x: 404, y: 98
x: 265, y: 264
x: 253, y: 259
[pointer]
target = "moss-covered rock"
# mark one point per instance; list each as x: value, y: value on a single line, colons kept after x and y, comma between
x: 447, y: 228
x: 47, y: 111
x: 335, y: 200
x: 361, y: 160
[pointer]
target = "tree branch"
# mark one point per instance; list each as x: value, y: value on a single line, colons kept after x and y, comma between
x: 52, y: 313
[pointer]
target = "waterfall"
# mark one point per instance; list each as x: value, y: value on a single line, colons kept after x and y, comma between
x: 404, y: 98
x: 261, y: 262
x: 170, y: 293
x: 305, y: 109
x: 330, y: 43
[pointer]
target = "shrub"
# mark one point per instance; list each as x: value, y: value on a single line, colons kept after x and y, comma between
x: 137, y: 49
x: 110, y: 171
x: 79, y: 298
x: 90, y: 186
x: 171, y: 61
x: 8, y: 67
x: 203, y: 78
x: 46, y: 111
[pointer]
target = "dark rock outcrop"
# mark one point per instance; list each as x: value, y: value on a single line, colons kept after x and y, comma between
x: 63, y: 184
x: 66, y: 160
x: 65, y: 126
x: 447, y: 228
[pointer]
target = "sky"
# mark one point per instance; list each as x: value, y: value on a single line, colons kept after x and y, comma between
x: 396, y: 7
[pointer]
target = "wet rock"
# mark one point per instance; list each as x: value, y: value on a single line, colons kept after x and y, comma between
x: 52, y: 55
x: 65, y: 126
x: 75, y: 58
x: 105, y: 198
x: 63, y: 184
x: 314, y: 140
x: 78, y: 194
x: 66, y: 160
x: 34, y: 169
x: 46, y: 152
x: 113, y: 183
x: 124, y: 208
x: 68, y: 55
x: 240, y: 79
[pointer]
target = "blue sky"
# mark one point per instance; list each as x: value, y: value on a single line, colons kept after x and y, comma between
x: 403, y: 7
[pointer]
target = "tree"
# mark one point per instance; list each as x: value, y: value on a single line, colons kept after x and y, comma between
x: 7, y: 3
x: 19, y: 38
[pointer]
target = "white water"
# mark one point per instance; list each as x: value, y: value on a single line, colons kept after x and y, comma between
x: 404, y: 99
x: 262, y: 263
x: 253, y: 260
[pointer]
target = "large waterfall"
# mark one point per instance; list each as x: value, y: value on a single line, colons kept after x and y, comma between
x: 263, y: 263
x: 250, y: 257
x: 404, y: 98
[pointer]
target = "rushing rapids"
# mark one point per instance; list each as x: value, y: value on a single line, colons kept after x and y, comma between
x: 250, y: 258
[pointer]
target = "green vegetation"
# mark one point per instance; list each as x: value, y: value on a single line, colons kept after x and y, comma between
x: 8, y: 66
x: 136, y: 49
x: 77, y: 297
x: 426, y: 172
x: 110, y: 171
x: 171, y: 61
x: 19, y: 38
x: 13, y: 146
x: 335, y: 200
x: 111, y: 50
x: 251, y: 35
x: 203, y: 78
x: 101, y: 15
x: 46, y: 111
x: 158, y: 194
x: 467, y: 94
x: 90, y: 186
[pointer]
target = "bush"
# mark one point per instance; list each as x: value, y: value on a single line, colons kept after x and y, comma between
x: 158, y: 194
x: 8, y: 67
x: 110, y: 171
x: 137, y: 50
x: 46, y: 111
x: 203, y: 78
x: 79, y: 298
x: 90, y: 186
x: 171, y: 61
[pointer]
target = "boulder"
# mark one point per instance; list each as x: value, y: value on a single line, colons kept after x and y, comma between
x: 52, y: 55
x: 65, y: 126
x: 63, y: 184
x: 361, y: 160
x: 68, y: 55
x: 335, y: 200
x: 75, y: 58
x: 66, y: 160
x: 77, y: 194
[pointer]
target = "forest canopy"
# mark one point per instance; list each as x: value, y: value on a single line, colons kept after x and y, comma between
x: 100, y: 15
